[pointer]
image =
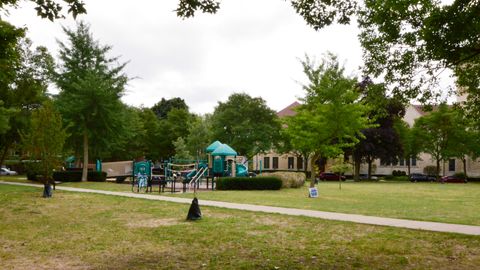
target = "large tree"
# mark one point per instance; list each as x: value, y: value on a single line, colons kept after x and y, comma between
x: 91, y: 85
x: 23, y: 83
x: 411, y: 143
x: 44, y: 140
x: 245, y: 123
x: 164, y: 106
x: 382, y: 140
x: 331, y: 118
x: 436, y: 131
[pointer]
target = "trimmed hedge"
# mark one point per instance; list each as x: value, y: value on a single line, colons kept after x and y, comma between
x: 249, y: 183
x: 76, y: 176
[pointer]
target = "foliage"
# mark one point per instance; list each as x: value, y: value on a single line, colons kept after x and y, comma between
x: 410, y: 43
x: 164, y: 106
x: 181, y: 151
x: 249, y: 183
x: 51, y: 9
x: 91, y: 85
x: 411, y: 144
x: 199, y: 135
x: 176, y: 125
x: 289, y: 179
x: 398, y: 173
x: 438, y: 133
x: 45, y: 139
x: 23, y: 82
x: 381, y: 141
x: 247, y: 124
x: 331, y: 119
x: 316, y: 13
x: 76, y: 176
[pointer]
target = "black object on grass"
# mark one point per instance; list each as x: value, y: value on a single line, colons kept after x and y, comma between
x: 194, y: 212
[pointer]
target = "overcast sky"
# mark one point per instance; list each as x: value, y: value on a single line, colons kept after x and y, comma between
x: 249, y: 46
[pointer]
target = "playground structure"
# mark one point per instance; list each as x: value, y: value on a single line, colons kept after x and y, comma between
x: 179, y: 175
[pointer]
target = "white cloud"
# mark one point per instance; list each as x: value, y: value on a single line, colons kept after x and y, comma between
x: 248, y: 46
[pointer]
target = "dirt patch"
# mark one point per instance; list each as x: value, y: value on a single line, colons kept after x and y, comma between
x: 153, y: 223
x: 46, y: 263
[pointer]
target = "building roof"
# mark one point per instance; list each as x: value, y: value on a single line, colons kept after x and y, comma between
x: 213, y: 146
x: 288, y: 111
x: 224, y: 150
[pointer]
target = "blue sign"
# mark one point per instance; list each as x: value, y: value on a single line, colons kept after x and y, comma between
x: 313, y: 192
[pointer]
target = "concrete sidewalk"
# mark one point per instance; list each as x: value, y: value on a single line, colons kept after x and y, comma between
x: 371, y: 220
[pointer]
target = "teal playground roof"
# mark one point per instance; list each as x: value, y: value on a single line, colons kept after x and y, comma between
x: 213, y: 146
x: 224, y: 150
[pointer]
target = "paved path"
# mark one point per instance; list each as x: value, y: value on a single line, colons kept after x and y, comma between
x: 371, y: 220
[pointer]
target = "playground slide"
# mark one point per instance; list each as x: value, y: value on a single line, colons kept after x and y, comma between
x: 242, y: 170
x: 191, y: 174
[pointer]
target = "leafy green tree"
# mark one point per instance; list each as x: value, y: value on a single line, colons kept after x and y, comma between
x: 464, y: 141
x: 331, y: 119
x: 340, y: 166
x: 45, y: 139
x: 382, y: 140
x: 181, y: 151
x: 176, y: 125
x: 23, y: 83
x: 164, y: 106
x: 50, y: 9
x: 411, y: 144
x: 247, y: 124
x: 199, y: 136
x: 436, y: 130
x: 91, y: 85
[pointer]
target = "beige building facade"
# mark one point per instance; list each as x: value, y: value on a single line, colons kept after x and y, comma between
x: 273, y: 161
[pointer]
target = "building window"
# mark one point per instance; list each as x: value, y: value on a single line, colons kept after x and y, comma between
x: 385, y: 162
x: 266, y: 162
x: 290, y: 163
x: 414, y: 162
x: 402, y: 162
x: 451, y: 165
x: 275, y: 162
x: 299, y: 163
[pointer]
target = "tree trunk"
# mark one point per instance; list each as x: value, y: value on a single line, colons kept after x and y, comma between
x: 85, y: 156
x: 464, y: 161
x: 369, y: 176
x: 4, y: 154
x: 438, y: 170
x: 408, y: 166
x: 312, y: 172
x: 305, y: 165
x: 357, y: 169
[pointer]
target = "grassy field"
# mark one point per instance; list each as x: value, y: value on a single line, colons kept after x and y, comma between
x: 450, y: 203
x: 86, y: 231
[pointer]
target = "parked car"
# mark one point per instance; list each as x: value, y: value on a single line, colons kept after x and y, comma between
x: 365, y: 177
x: 330, y: 177
x: 6, y: 171
x: 453, y: 179
x: 419, y: 177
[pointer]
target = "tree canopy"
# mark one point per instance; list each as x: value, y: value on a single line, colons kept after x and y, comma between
x: 331, y: 118
x: 91, y: 85
x: 247, y: 124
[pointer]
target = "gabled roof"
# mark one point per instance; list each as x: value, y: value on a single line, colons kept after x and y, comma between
x: 288, y: 111
x: 213, y: 146
x: 224, y: 150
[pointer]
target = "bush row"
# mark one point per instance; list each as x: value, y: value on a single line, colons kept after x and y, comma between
x: 76, y: 176
x: 289, y: 179
x: 247, y: 183
x: 399, y: 173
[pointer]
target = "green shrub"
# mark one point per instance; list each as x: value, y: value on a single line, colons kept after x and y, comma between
x: 76, y: 176
x: 460, y: 175
x: 289, y: 179
x: 247, y: 183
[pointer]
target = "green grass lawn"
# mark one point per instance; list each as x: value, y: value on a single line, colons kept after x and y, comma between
x: 450, y: 203
x: 87, y: 231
